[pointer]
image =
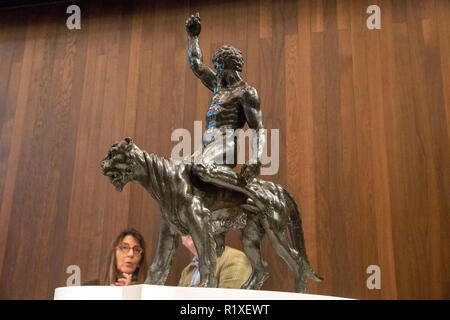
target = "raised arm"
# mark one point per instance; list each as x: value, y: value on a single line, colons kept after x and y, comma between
x: 203, y: 72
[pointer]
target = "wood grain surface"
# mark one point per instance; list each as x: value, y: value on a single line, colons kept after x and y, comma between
x: 363, y: 118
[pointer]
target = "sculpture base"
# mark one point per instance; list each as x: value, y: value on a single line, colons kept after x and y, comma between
x: 152, y: 292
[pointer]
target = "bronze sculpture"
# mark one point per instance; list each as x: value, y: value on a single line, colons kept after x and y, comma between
x: 205, y: 197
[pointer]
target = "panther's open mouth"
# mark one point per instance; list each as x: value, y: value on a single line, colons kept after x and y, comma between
x: 116, y: 179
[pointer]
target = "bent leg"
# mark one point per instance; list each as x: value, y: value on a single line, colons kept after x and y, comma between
x: 216, y: 162
x: 225, y: 177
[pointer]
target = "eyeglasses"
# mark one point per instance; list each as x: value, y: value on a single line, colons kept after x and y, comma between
x: 125, y: 248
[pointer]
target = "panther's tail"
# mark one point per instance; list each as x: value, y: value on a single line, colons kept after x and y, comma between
x: 296, y: 233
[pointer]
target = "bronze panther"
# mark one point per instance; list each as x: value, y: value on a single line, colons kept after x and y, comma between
x: 206, y: 212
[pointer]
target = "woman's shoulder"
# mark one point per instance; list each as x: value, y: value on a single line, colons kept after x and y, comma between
x: 232, y: 256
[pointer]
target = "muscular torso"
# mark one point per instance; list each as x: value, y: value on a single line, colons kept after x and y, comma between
x: 226, y: 111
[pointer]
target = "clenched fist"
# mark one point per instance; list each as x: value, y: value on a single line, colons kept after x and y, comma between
x: 193, y: 25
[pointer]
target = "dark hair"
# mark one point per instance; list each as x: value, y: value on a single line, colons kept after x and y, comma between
x: 111, y: 273
x: 229, y: 57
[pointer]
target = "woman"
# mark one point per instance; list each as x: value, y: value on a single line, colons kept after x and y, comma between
x: 126, y: 262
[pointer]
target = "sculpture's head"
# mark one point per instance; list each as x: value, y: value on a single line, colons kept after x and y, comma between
x: 228, y: 57
x: 121, y: 163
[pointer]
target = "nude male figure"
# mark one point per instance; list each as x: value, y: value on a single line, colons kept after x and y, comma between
x: 234, y: 104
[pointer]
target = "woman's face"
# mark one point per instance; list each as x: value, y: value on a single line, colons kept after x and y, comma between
x: 126, y: 257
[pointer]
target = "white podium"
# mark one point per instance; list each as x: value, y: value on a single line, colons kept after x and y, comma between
x: 152, y: 292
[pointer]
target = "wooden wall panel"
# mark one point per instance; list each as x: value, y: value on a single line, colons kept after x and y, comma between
x: 364, y: 120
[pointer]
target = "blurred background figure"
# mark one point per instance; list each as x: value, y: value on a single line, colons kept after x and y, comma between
x: 232, y: 268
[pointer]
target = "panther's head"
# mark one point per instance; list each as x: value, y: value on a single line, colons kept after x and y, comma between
x: 121, y: 163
